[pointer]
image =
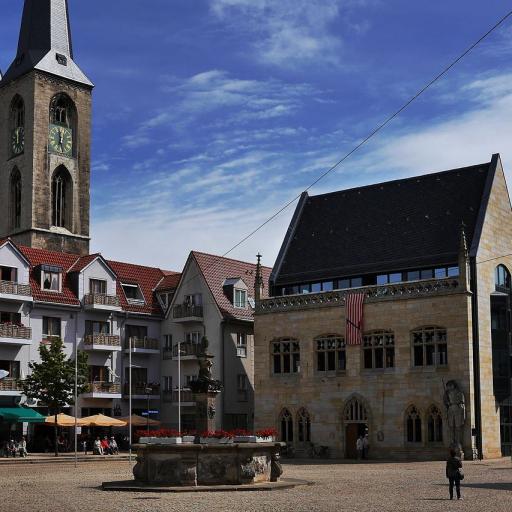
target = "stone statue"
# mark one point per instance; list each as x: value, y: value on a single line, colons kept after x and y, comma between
x: 276, y: 469
x: 205, y: 381
x: 211, y: 412
x: 455, y: 404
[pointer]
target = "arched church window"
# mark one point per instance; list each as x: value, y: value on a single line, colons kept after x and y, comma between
x: 17, y: 125
x: 304, y: 425
x: 434, y: 425
x: 62, y: 111
x: 413, y: 425
x: 61, y: 198
x: 355, y: 412
x: 502, y: 277
x: 15, y: 199
x: 286, y: 424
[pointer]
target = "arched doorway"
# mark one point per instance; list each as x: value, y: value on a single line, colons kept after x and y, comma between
x: 355, y: 423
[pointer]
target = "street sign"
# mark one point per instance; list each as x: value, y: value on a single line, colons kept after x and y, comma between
x: 148, y: 413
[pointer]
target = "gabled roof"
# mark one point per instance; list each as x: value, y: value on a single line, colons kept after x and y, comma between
x: 216, y: 269
x: 168, y: 282
x: 45, y: 32
x: 409, y: 223
x: 147, y: 278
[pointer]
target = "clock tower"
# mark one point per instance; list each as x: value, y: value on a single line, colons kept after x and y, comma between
x: 45, y: 121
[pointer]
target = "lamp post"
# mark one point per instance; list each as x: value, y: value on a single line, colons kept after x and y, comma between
x: 179, y: 388
x: 149, y: 390
x: 130, y: 399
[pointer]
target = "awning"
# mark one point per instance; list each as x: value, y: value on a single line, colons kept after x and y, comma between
x: 20, y: 415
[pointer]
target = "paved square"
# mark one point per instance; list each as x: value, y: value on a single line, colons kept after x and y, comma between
x: 338, y: 487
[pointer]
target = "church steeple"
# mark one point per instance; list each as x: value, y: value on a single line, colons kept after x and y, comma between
x: 45, y: 43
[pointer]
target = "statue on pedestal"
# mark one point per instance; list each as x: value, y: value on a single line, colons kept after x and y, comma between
x: 455, y: 404
x: 205, y: 382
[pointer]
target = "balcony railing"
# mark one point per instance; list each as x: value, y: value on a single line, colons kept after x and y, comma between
x: 102, y: 339
x: 113, y: 388
x: 12, y: 288
x: 17, y: 332
x: 143, y: 343
x: 187, y: 311
x: 141, y: 389
x: 10, y: 385
x: 98, y: 299
x: 187, y: 349
x: 378, y: 293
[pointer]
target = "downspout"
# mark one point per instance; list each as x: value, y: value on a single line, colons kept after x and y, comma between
x: 476, y: 356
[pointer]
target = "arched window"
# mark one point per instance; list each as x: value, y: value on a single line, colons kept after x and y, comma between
x: 502, y: 277
x: 286, y: 356
x: 15, y: 199
x: 286, y: 423
x: 17, y: 112
x: 62, y: 198
x: 434, y: 425
x: 17, y: 125
x: 330, y: 353
x: 355, y: 412
x: 430, y: 346
x: 379, y: 350
x: 62, y: 111
x: 304, y: 426
x: 413, y: 425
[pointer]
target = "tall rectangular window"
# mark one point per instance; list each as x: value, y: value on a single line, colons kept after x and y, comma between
x: 240, y: 298
x: 242, y: 387
x: 241, y: 344
x: 96, y: 327
x: 51, y: 279
x: 51, y: 327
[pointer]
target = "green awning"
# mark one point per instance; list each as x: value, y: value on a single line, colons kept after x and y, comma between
x: 20, y: 415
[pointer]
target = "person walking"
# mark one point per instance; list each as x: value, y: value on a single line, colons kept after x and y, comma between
x: 454, y: 473
x: 359, y: 447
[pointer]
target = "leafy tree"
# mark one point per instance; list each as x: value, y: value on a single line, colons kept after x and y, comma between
x: 52, y: 381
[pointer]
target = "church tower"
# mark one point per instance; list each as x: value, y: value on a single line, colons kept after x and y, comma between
x: 45, y: 123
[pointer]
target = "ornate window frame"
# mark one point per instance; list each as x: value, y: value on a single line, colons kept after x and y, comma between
x: 285, y: 356
x: 303, y: 426
x: 429, y: 347
x: 435, y: 425
x: 378, y: 350
x: 286, y: 433
x: 330, y: 354
x: 413, y: 423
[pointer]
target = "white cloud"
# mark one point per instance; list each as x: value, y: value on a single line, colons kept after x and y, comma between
x: 291, y: 32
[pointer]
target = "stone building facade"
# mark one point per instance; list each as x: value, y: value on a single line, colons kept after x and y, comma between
x: 431, y: 255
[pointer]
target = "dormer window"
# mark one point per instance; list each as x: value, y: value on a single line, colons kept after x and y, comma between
x: 133, y: 293
x: 240, y: 299
x: 97, y: 286
x: 51, y: 278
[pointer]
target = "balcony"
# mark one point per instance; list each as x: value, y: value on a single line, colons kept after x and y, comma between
x: 187, y: 398
x: 375, y: 293
x: 102, y: 342
x: 11, y: 334
x: 189, y: 351
x: 10, y: 387
x: 109, y: 390
x: 101, y: 302
x: 139, y: 392
x: 183, y: 313
x: 142, y: 345
x: 10, y: 290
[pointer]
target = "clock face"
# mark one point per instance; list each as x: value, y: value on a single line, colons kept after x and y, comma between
x: 61, y: 140
x: 18, y: 140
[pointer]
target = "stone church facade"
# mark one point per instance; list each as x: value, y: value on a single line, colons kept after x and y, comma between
x: 432, y: 256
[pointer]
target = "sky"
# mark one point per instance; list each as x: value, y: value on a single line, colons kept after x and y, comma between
x: 209, y: 115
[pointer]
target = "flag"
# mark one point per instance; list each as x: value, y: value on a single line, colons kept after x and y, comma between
x: 354, y: 318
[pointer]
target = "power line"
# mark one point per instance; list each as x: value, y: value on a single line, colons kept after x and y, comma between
x: 372, y: 134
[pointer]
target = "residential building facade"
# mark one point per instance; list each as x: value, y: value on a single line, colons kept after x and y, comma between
x: 214, y: 298
x: 432, y: 257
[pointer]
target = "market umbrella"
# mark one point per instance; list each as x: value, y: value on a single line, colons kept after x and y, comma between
x: 63, y: 420
x: 140, y: 421
x: 99, y: 420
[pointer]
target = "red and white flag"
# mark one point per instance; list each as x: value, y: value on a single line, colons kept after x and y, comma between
x: 354, y: 318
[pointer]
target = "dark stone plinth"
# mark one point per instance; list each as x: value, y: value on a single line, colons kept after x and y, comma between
x: 206, y: 411
x: 191, y: 465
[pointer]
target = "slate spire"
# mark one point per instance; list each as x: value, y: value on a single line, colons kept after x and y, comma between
x: 45, y: 43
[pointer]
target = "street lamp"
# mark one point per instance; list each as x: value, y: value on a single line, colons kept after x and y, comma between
x: 149, y: 391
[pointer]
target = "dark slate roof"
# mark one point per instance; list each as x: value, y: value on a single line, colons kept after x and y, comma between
x: 409, y: 223
x: 45, y: 32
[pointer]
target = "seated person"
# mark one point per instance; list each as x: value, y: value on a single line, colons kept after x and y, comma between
x: 105, y: 446
x: 97, y: 449
x: 114, y: 449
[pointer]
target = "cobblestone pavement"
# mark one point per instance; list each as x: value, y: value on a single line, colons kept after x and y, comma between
x: 337, y: 487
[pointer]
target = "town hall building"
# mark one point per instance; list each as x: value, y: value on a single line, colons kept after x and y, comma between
x: 430, y: 365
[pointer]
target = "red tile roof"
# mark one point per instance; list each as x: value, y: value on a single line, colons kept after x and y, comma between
x: 169, y: 282
x: 217, y: 269
x: 147, y: 278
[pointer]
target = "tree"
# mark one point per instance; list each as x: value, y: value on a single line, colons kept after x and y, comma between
x: 52, y: 381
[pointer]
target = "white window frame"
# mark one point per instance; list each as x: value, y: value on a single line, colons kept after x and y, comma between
x: 241, y: 344
x: 193, y: 337
x: 45, y: 273
x: 237, y: 303
x: 94, y: 279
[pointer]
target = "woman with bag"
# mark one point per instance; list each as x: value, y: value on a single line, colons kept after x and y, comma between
x: 454, y: 473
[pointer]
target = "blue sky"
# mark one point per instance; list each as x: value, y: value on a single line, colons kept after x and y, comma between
x: 211, y: 114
